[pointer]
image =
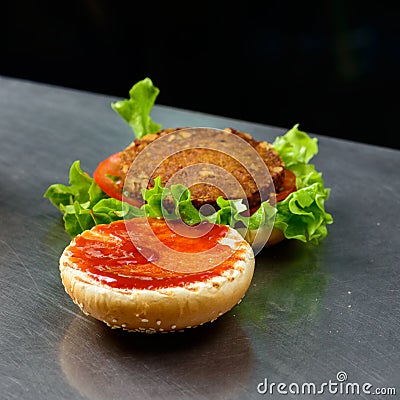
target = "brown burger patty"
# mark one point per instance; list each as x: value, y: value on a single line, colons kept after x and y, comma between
x: 211, y: 164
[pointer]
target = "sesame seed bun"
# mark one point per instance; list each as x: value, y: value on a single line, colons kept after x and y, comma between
x: 166, y: 307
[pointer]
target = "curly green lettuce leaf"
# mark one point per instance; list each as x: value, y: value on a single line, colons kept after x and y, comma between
x: 229, y: 212
x: 183, y: 206
x: 302, y: 214
x: 153, y: 198
x: 180, y: 206
x: 296, y: 147
x: 265, y: 215
x: 82, y: 188
x: 233, y: 213
x: 136, y: 110
x: 83, y: 216
x: 83, y: 204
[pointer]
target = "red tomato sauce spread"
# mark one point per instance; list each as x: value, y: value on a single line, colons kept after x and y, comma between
x: 108, y: 254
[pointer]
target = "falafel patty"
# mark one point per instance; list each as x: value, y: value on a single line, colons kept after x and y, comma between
x: 210, y: 162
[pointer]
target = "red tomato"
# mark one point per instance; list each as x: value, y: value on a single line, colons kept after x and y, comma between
x: 289, y: 186
x: 106, y: 176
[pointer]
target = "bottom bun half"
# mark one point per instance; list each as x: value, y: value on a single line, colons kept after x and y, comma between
x: 162, y: 309
x: 264, y: 236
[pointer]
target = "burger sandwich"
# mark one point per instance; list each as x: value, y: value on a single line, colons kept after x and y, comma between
x: 165, y: 233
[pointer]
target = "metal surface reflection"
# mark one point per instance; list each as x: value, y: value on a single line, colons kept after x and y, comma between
x: 288, y: 289
x: 111, y: 364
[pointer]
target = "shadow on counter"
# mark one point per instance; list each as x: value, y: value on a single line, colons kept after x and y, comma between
x: 213, y: 361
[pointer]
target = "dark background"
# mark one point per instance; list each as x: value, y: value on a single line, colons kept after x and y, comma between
x: 332, y: 66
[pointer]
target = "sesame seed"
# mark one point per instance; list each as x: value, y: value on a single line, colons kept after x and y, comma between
x: 173, y: 326
x: 158, y: 322
x: 145, y: 320
x: 123, y: 325
x: 114, y: 320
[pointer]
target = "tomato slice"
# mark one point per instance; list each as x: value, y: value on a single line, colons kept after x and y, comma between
x: 289, y: 185
x: 107, y: 176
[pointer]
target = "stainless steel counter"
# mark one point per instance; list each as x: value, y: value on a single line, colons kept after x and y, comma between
x: 310, y: 313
